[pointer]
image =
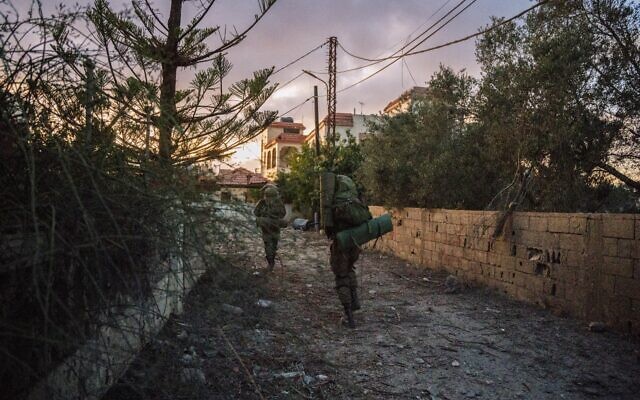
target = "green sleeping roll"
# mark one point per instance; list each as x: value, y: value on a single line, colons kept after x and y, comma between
x: 372, y: 229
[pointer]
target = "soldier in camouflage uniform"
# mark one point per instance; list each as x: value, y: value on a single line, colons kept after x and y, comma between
x: 342, y: 260
x: 269, y: 212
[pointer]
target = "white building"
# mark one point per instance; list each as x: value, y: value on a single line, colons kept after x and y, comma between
x: 356, y: 124
x: 280, y: 140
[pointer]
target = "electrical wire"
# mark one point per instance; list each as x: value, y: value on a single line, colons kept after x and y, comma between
x: 480, y: 33
x: 406, y: 40
x: 396, y: 58
x: 300, y: 58
x: 377, y: 60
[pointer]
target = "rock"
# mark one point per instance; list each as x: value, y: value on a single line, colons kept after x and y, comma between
x: 597, y: 326
x: 232, y: 309
x: 183, y: 335
x: 187, y: 359
x: 193, y: 375
x: 264, y: 303
x: 322, y: 377
x: 210, y: 353
x: 288, y: 375
x: 419, y: 360
x: 307, y: 379
x: 455, y: 363
x: 452, y: 284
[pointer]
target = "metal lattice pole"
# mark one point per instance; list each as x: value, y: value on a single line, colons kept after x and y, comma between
x: 331, y: 95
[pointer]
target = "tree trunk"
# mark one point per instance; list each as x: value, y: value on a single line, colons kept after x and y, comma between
x: 168, y: 113
x: 624, y: 178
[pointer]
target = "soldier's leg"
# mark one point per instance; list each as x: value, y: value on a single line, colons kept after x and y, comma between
x: 269, y: 248
x: 353, y: 280
x: 340, y: 266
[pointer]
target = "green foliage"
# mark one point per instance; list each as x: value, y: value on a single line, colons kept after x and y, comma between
x: 300, y: 185
x: 558, y: 99
x: 430, y: 156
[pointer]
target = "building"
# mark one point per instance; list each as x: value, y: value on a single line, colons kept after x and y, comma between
x: 238, y: 184
x: 280, y: 140
x: 356, y: 124
x: 406, y: 101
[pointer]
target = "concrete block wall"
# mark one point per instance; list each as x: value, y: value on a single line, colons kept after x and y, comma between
x: 582, y: 265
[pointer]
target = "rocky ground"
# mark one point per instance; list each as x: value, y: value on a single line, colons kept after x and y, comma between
x: 251, y: 335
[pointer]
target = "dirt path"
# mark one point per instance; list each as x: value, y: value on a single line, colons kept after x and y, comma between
x: 412, y: 341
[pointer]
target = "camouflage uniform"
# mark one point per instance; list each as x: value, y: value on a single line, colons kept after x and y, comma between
x: 269, y: 211
x: 342, y: 264
x: 342, y: 260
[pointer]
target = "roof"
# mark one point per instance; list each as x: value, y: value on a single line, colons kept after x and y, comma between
x: 240, y: 177
x: 280, y: 124
x: 286, y: 138
x: 411, y: 94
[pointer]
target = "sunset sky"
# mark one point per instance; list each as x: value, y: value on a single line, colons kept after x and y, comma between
x: 369, y: 28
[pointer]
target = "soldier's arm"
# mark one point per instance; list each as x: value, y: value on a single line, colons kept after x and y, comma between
x: 259, y: 210
x: 281, y: 211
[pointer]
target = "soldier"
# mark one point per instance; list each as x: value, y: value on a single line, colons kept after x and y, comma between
x: 347, y: 212
x: 269, y: 212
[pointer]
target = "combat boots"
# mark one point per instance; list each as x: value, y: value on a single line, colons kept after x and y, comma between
x: 355, y: 302
x: 348, y: 313
x: 272, y: 263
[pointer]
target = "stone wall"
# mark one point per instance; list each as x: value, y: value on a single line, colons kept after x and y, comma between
x: 583, y: 265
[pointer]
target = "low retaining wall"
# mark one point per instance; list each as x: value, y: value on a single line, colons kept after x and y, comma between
x: 583, y: 265
x: 92, y: 369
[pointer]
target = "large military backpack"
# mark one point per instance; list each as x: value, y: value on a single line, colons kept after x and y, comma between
x: 347, y: 209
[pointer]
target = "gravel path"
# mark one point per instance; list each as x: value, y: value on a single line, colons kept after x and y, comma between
x: 412, y: 341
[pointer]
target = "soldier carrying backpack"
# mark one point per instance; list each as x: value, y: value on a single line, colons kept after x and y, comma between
x: 343, y: 210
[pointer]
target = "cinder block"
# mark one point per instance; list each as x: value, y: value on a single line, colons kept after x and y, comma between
x: 618, y: 266
x: 523, y: 266
x: 626, y: 248
x: 618, y: 226
x: 564, y: 273
x: 538, y: 224
x: 627, y: 287
x: 558, y: 224
x: 571, y: 258
x: 578, y: 224
x: 610, y: 247
x: 618, y: 307
x: 520, y: 221
x: 571, y: 242
x: 636, y: 269
x: 507, y: 262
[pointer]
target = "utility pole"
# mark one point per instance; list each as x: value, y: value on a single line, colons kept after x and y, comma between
x: 317, y: 123
x: 331, y: 95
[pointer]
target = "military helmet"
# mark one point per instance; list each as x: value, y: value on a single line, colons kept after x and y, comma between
x: 271, y: 192
x: 345, y: 188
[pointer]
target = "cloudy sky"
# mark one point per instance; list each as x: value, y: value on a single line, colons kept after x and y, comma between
x: 369, y: 28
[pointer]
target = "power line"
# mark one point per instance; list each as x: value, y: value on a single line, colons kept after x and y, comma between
x: 407, y: 43
x: 396, y: 58
x: 296, y: 106
x: 299, y: 58
x: 480, y: 33
x: 280, y: 87
x: 417, y: 37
